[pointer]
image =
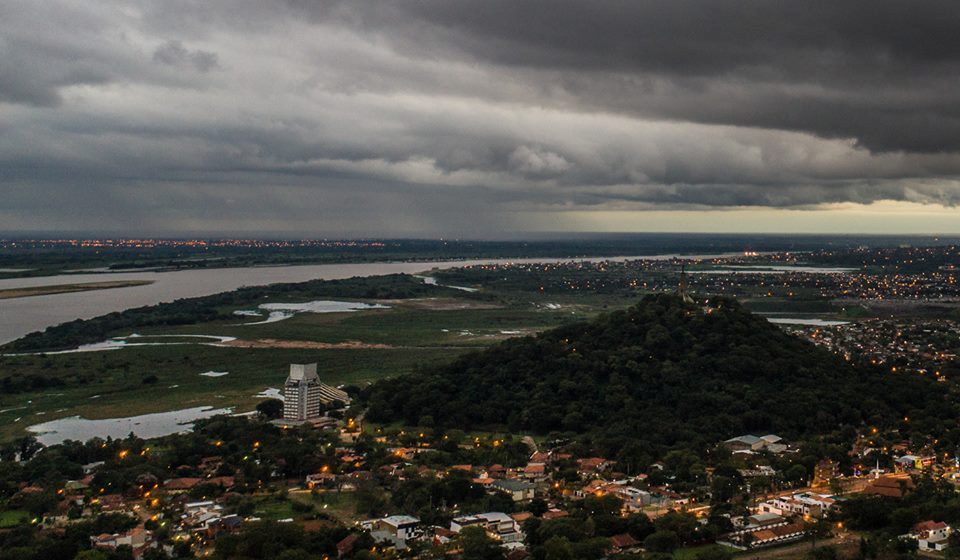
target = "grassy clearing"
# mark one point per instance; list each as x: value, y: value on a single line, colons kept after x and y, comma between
x: 691, y: 552
x: 12, y: 518
x: 275, y: 509
x: 339, y: 505
x: 342, y: 505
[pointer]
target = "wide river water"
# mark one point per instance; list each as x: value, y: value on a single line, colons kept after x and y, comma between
x: 21, y: 316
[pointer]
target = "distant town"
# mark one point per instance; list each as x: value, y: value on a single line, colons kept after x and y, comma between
x: 200, y: 504
x: 301, y: 472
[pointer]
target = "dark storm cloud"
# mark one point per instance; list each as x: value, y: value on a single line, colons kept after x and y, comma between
x: 173, y: 53
x: 881, y: 72
x: 426, y: 115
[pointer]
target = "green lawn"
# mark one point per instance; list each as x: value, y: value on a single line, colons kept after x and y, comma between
x: 342, y: 505
x: 273, y: 509
x: 690, y: 552
x: 12, y: 518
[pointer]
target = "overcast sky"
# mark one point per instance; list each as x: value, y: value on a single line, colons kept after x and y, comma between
x: 479, y: 118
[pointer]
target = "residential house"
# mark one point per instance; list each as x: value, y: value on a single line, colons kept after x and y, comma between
x: 138, y: 539
x: 931, y: 535
x: 400, y: 527
x: 623, y: 543
x: 442, y: 535
x: 201, y: 516
x: 345, y: 547
x: 210, y: 464
x: 540, y: 457
x: 499, y: 526
x: 519, y: 490
x: 111, y: 503
x: 226, y: 524
x: 634, y: 499
x: 320, y: 479
x: 592, y: 465
x: 180, y: 485
x: 536, y: 472
x: 805, y: 503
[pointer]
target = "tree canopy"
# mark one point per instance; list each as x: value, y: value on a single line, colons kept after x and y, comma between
x: 662, y: 374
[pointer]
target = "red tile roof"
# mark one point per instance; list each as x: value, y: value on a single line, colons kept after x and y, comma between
x: 181, y: 483
x: 623, y: 541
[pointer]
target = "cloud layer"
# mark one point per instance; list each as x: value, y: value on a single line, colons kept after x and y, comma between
x: 429, y: 116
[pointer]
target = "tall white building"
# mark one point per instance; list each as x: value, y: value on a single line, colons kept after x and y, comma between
x: 301, y: 393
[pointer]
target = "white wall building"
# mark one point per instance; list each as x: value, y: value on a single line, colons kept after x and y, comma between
x: 499, y: 526
x: 401, y: 527
x: 301, y: 393
x: 806, y: 503
x: 304, y: 393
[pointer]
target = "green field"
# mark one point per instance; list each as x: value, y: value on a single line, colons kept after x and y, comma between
x: 340, y: 505
x: 12, y: 518
x: 691, y: 552
x: 415, y: 323
x: 144, y: 379
x: 120, y: 377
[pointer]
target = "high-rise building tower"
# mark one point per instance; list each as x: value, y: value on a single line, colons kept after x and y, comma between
x: 301, y: 393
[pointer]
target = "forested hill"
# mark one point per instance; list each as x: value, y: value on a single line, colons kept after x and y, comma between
x: 660, y: 374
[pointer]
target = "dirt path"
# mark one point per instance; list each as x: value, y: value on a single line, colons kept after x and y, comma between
x: 306, y: 344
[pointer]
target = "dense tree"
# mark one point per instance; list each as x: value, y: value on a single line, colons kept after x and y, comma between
x: 270, y: 408
x: 478, y: 546
x: 661, y: 541
x: 658, y: 376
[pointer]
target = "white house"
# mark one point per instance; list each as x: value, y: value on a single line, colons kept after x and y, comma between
x: 401, y: 527
x: 931, y: 535
x: 499, y: 526
x: 805, y: 503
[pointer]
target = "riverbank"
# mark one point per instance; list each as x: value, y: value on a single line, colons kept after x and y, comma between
x: 34, y: 291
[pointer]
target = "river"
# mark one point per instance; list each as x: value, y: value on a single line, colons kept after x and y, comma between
x: 21, y: 316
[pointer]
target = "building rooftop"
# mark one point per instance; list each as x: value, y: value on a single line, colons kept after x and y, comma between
x: 400, y: 520
x: 513, y: 485
x: 747, y: 439
x: 303, y: 372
